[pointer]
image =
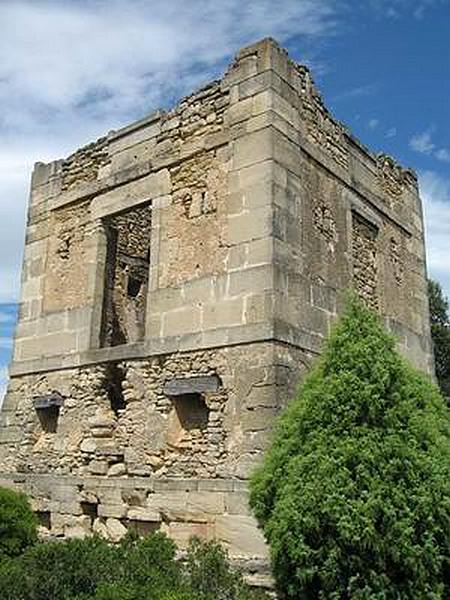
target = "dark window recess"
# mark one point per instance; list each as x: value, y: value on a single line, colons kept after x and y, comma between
x: 142, y: 528
x: 90, y: 509
x: 134, y: 287
x: 47, y: 409
x: 48, y: 418
x: 126, y: 276
x: 44, y: 518
x: 191, y: 410
x: 114, y: 378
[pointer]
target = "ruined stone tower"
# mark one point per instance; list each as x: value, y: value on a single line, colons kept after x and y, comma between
x: 180, y: 274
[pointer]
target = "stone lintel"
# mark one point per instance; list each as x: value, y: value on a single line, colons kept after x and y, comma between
x: 48, y: 401
x: 140, y: 124
x: 216, y: 338
x: 151, y: 484
x: 192, y: 385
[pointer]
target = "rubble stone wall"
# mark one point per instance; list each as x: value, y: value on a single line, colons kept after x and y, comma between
x: 66, y: 268
x: 147, y: 433
x: 106, y: 469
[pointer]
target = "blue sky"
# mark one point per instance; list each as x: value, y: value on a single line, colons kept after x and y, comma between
x: 70, y: 70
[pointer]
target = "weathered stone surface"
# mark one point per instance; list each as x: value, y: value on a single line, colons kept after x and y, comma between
x: 241, y: 535
x: 115, y: 530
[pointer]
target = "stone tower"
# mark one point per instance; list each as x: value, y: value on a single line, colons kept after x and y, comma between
x: 180, y: 275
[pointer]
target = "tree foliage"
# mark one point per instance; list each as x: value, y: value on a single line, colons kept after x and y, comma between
x: 135, y: 569
x: 18, y: 525
x: 440, y: 334
x: 354, y: 494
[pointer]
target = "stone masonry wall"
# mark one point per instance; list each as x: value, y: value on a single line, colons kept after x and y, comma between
x: 252, y: 185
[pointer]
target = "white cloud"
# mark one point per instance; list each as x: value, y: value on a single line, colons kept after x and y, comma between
x: 422, y: 143
x: 114, y: 57
x: 443, y: 155
x: 373, y: 123
x: 71, y: 70
x: 435, y: 191
x: 356, y: 92
x: 5, y: 343
x: 424, y: 5
x: 6, y: 317
x: 396, y: 9
x: 391, y: 132
x: 3, y: 382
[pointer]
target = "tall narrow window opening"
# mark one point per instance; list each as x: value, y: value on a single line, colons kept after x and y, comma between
x: 126, y: 276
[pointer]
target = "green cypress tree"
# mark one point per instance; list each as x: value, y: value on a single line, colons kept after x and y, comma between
x: 440, y: 334
x: 18, y: 524
x: 354, y: 493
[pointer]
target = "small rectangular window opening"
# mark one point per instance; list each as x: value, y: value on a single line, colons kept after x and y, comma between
x: 44, y: 518
x: 142, y: 528
x: 90, y: 509
x: 48, y: 418
x: 191, y: 411
x: 114, y: 377
x: 47, y: 409
x: 134, y: 287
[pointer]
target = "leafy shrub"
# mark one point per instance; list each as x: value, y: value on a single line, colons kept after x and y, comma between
x: 18, y: 524
x: 440, y: 334
x: 354, y: 494
x: 135, y: 569
x: 208, y: 572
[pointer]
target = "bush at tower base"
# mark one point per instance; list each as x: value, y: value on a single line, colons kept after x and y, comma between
x: 354, y: 493
x: 18, y: 524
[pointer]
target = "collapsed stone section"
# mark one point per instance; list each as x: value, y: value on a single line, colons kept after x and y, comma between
x: 199, y: 114
x: 126, y: 278
x: 322, y: 128
x: 66, y: 273
x: 392, y: 177
x: 84, y: 165
x: 364, y: 252
x: 196, y: 236
x: 115, y: 376
x: 325, y: 223
x: 397, y: 259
